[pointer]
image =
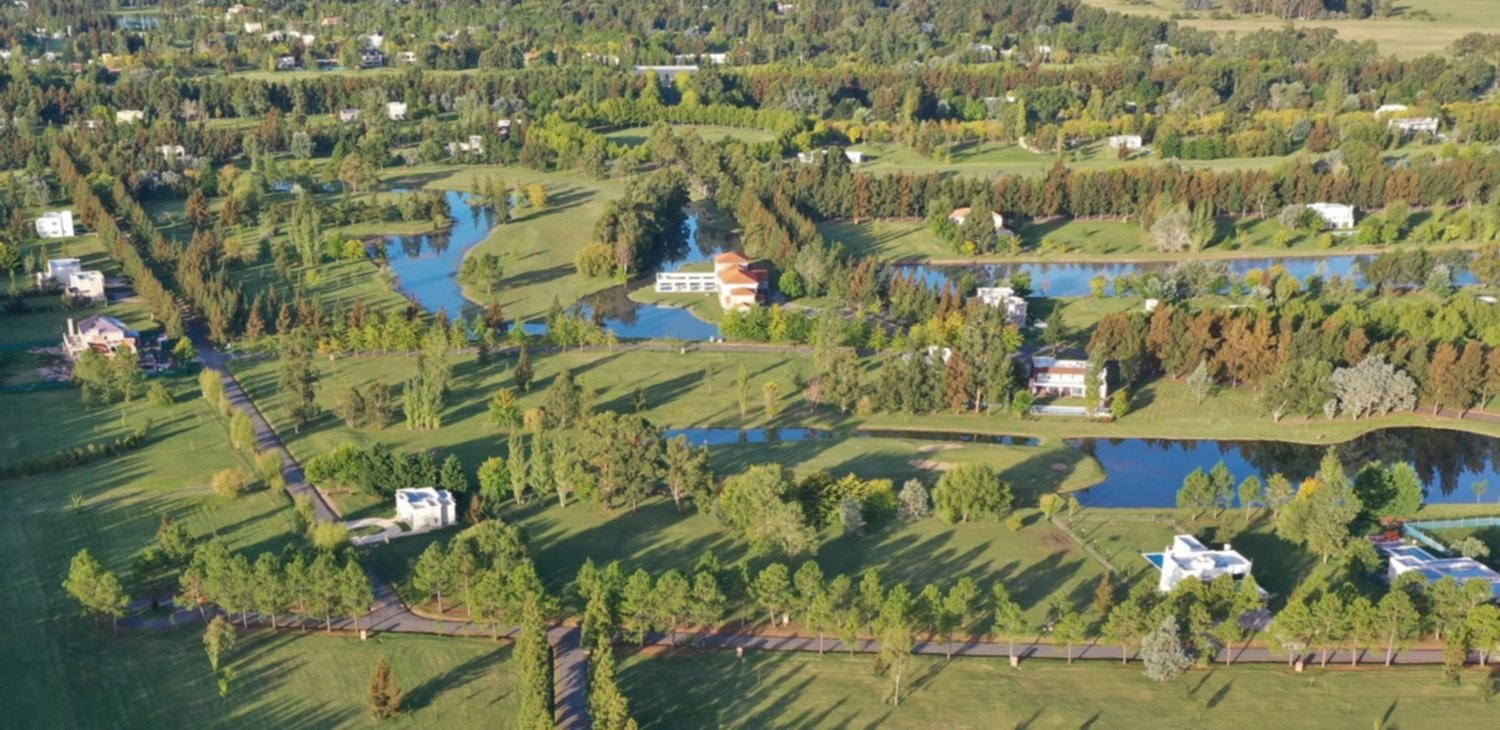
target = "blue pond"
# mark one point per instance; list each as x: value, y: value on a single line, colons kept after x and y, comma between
x: 426, y: 268
x: 1148, y: 472
x: 1072, y: 279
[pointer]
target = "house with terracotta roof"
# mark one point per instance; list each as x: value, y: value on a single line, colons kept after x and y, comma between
x: 102, y: 334
x: 738, y: 285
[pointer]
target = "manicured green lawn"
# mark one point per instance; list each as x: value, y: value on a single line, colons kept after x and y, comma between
x: 1402, y: 35
x: 123, y: 498
x: 635, y: 136
x: 284, y: 679
x: 715, y: 689
x: 1038, y: 562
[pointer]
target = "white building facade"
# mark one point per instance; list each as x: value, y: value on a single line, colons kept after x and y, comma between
x: 1057, y: 377
x: 1187, y: 558
x: 55, y: 224
x: 1004, y: 298
x: 426, y: 508
x: 1336, y: 216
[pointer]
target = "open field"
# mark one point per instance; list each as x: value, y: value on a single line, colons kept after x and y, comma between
x: 282, y: 680
x: 537, y: 248
x: 1402, y: 35
x: 635, y: 136
x: 693, y: 689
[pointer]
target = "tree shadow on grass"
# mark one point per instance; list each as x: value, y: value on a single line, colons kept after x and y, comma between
x: 472, y: 669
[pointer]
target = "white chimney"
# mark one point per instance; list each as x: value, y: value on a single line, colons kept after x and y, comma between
x: 72, y: 330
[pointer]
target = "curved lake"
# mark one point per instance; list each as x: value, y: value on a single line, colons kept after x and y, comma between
x: 426, y: 269
x: 1148, y: 472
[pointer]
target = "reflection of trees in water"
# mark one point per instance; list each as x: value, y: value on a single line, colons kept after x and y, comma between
x: 613, y: 303
x: 1440, y: 457
x: 411, y: 246
x: 438, y: 243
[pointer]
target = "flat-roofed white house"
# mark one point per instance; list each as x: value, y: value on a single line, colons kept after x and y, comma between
x: 101, y: 333
x: 87, y: 285
x: 1187, y: 558
x: 1066, y: 378
x: 129, y: 116
x: 396, y: 110
x: 1404, y: 558
x: 407, y: 57
x: 475, y: 146
x: 855, y: 157
x: 1125, y: 142
x: 55, y: 224
x: 58, y: 271
x: 502, y: 126
x: 1004, y: 298
x: 1336, y: 216
x: 425, y: 508
x: 348, y: 115
x: 1413, y: 125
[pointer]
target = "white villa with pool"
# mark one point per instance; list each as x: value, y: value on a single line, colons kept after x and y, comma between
x: 1188, y: 558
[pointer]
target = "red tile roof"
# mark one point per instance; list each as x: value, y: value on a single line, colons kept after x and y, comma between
x: 739, y: 276
x: 730, y: 257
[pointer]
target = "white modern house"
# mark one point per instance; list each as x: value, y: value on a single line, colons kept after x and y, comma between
x: 1125, y: 142
x: 1413, y: 125
x: 503, y: 126
x: 1065, y: 378
x: 348, y: 115
x: 738, y: 285
x: 58, y: 272
x: 426, y: 508
x: 396, y: 110
x: 1336, y: 216
x: 475, y: 146
x: 1404, y: 558
x: 1188, y: 558
x: 129, y: 116
x: 1004, y: 298
x: 173, y: 153
x: 855, y: 157
x: 87, y: 285
x: 55, y: 224
x: 101, y: 333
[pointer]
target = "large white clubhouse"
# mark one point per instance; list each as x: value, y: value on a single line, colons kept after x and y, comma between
x: 738, y: 285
